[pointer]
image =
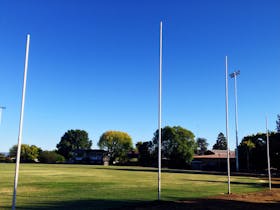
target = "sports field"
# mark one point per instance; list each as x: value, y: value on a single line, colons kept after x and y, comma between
x: 99, y: 187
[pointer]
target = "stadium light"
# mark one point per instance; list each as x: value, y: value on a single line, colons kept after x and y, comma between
x: 234, y: 75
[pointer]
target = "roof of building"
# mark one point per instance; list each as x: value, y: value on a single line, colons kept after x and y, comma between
x: 217, y: 154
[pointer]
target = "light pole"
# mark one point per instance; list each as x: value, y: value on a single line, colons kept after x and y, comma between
x: 234, y: 75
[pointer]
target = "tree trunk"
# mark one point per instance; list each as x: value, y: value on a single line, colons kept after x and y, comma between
x: 248, y: 161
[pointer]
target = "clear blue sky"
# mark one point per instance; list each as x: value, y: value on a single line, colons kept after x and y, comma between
x: 94, y: 65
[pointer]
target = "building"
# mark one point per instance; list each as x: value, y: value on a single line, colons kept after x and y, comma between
x: 214, y: 160
x: 91, y: 156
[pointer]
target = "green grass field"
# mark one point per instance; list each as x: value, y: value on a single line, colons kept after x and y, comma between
x: 100, y: 187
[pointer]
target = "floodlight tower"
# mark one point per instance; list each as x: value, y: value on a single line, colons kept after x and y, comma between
x: 234, y: 75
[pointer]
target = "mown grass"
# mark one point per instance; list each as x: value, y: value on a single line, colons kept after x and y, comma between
x: 99, y: 187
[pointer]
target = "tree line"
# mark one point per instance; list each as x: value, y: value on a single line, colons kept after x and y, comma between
x: 178, y: 147
x: 253, y: 152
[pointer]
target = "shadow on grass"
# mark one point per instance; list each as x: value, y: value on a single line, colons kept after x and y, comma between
x: 162, y: 205
x: 148, y: 169
x: 84, y: 205
x: 181, y: 171
x: 253, y: 184
x: 210, y: 204
x: 273, y: 185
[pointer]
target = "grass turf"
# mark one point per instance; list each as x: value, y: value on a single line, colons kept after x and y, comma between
x: 98, y: 187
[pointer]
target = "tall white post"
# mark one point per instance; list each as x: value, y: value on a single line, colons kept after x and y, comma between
x: 236, y: 124
x: 268, y: 155
x: 227, y: 130
x: 234, y: 75
x: 159, y: 112
x: 21, y: 123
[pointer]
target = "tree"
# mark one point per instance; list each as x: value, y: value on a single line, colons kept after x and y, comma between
x: 28, y: 153
x: 2, y: 157
x: 249, y: 144
x: 51, y: 157
x: 71, y: 141
x: 278, y: 124
x: 221, y: 143
x: 146, y: 157
x: 202, y: 145
x: 117, y: 143
x: 177, y: 145
x: 258, y: 153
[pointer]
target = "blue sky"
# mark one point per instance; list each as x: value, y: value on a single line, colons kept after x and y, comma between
x: 94, y: 65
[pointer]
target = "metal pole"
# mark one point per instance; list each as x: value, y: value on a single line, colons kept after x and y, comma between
x: 227, y: 130
x: 236, y: 124
x: 21, y: 123
x: 234, y: 75
x: 268, y: 156
x: 159, y: 113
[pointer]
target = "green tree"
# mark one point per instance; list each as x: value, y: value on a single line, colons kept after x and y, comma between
x: 117, y: 143
x: 201, y: 144
x: 146, y: 157
x: 258, y: 154
x: 71, y: 141
x: 28, y: 153
x: 249, y: 145
x: 178, y: 145
x: 50, y: 157
x: 2, y: 157
x: 278, y: 124
x: 221, y: 143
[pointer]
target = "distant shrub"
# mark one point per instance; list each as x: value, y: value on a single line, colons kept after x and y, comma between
x: 5, y: 159
x: 2, y: 158
x: 51, y: 157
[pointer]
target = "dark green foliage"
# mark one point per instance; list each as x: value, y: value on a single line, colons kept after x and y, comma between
x: 51, y: 157
x: 146, y: 155
x: 278, y: 123
x: 201, y: 146
x: 258, y: 153
x: 221, y: 143
x: 248, y: 145
x: 177, y: 146
x: 209, y: 152
x: 118, y: 144
x: 2, y: 158
x: 71, y: 141
x: 28, y: 153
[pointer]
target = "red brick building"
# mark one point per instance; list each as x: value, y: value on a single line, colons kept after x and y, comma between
x: 214, y: 160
